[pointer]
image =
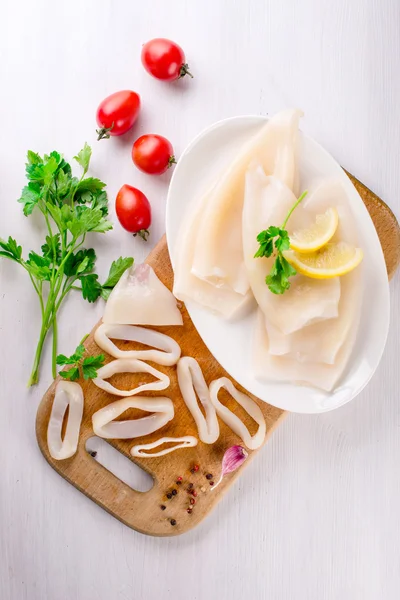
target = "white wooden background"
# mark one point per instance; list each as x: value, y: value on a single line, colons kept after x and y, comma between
x: 317, y: 515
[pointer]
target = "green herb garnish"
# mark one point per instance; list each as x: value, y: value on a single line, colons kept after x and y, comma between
x: 86, y: 367
x: 277, y: 238
x: 72, y: 207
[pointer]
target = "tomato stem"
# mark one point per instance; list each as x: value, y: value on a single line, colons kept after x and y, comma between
x: 171, y: 161
x: 184, y: 70
x: 104, y: 132
x: 143, y: 233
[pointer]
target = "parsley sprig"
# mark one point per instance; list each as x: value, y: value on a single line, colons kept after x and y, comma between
x: 86, y: 367
x: 277, y: 239
x: 71, y: 207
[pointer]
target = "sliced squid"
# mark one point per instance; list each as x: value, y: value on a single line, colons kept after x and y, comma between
x: 231, y: 420
x: 140, y: 298
x: 68, y: 394
x: 105, y: 426
x: 188, y: 287
x: 218, y: 254
x: 267, y: 202
x: 187, y: 441
x: 130, y: 365
x: 286, y: 369
x: 191, y: 382
x: 165, y: 351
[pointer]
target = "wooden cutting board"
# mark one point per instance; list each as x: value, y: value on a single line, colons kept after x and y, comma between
x: 142, y: 511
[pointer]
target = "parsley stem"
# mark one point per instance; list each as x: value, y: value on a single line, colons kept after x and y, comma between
x: 54, y: 347
x: 295, y: 205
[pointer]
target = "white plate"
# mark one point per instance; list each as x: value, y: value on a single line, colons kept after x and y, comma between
x: 230, y: 342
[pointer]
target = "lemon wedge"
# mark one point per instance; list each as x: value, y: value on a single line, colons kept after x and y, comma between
x: 316, y: 236
x: 330, y: 261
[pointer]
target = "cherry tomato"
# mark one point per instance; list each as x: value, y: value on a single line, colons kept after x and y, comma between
x: 133, y: 211
x: 117, y: 113
x: 164, y: 60
x: 153, y: 154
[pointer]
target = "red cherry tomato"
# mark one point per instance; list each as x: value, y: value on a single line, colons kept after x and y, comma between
x: 153, y: 154
x: 164, y: 60
x: 133, y: 211
x: 117, y: 113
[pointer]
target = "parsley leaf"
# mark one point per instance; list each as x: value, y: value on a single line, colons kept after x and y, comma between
x: 88, y: 365
x: 30, y: 196
x: 10, y: 249
x: 118, y: 267
x: 101, y: 201
x: 282, y: 243
x: 86, y: 220
x: 39, y: 266
x: 71, y: 374
x: 81, y: 262
x: 83, y: 157
x: 91, y: 288
x: 52, y: 248
x: 277, y: 237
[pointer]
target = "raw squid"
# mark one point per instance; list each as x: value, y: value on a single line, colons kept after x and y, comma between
x: 186, y: 441
x: 140, y: 298
x: 129, y: 365
x: 188, y: 287
x: 267, y: 202
x: 191, y: 382
x: 218, y: 253
x: 286, y: 369
x: 167, y: 351
x: 105, y: 426
x: 231, y: 420
x: 68, y: 394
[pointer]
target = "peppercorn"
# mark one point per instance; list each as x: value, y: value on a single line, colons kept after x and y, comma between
x: 93, y: 453
x: 178, y: 482
x: 174, y: 492
x: 169, y: 496
x: 194, y: 493
x: 211, y: 483
x: 192, y: 501
x: 192, y: 471
x: 163, y: 507
x: 179, y: 479
x: 196, y: 468
x: 190, y: 486
x: 189, y: 510
x: 209, y: 476
x: 173, y: 522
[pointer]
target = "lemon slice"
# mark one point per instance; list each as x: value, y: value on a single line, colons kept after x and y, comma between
x: 330, y: 261
x: 316, y: 236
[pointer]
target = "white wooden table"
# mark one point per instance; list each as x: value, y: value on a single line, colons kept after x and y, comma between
x: 317, y: 515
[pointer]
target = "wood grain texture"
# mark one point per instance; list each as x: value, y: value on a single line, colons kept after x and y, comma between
x: 385, y: 223
x: 141, y: 511
x: 316, y: 516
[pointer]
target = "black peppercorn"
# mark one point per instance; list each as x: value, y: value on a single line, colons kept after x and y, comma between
x: 163, y: 507
x: 190, y: 486
x: 209, y: 476
x: 174, y: 492
x: 169, y: 496
x: 93, y: 453
x: 173, y: 522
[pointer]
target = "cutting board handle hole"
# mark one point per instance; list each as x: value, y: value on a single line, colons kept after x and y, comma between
x: 119, y: 465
